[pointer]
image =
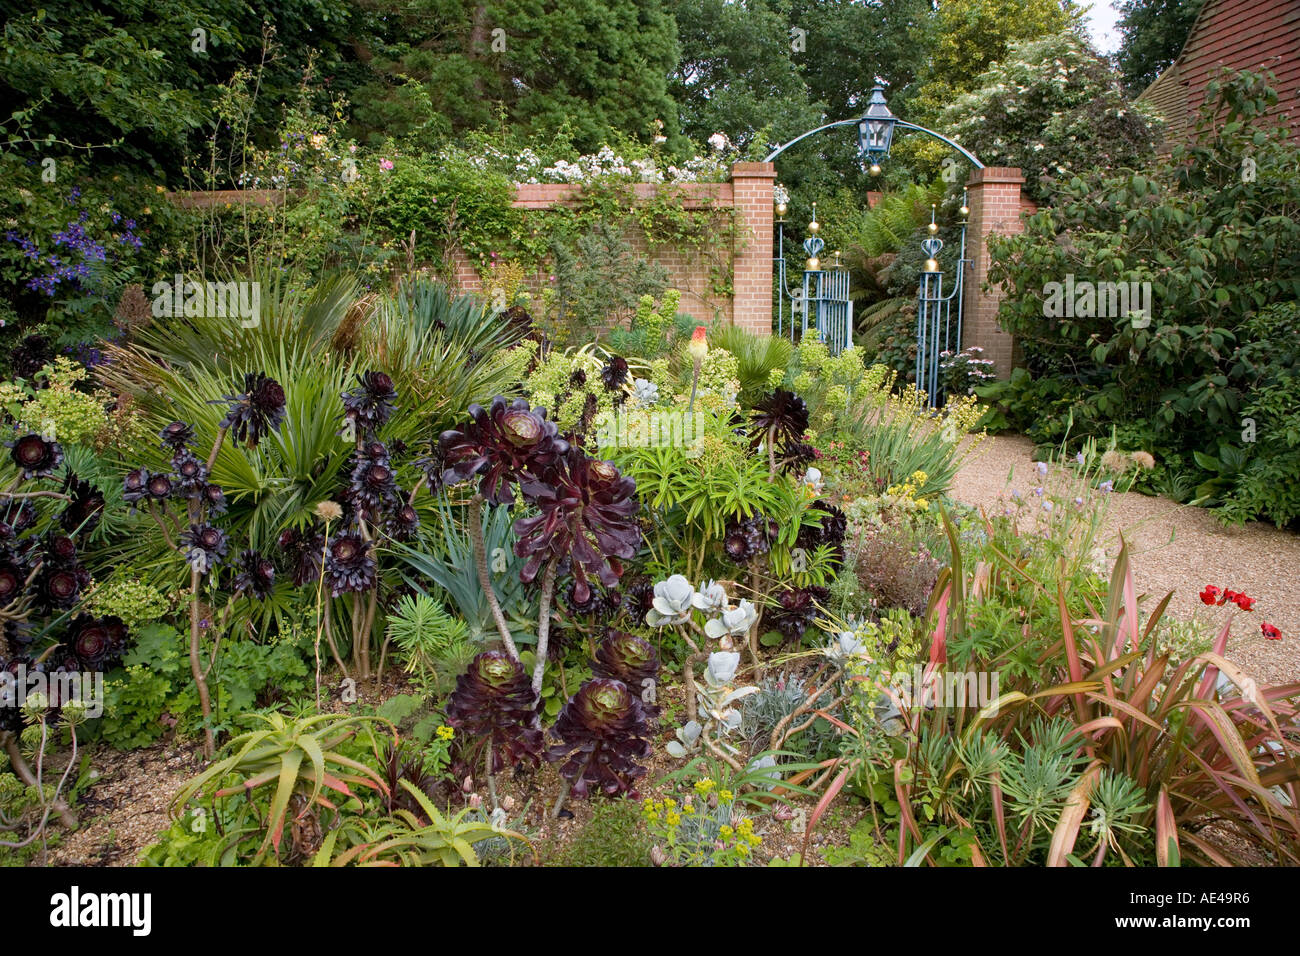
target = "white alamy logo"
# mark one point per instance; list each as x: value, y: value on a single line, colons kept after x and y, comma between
x: 930, y: 687
x: 1098, y: 300
x: 77, y: 909
x: 18, y: 686
x: 220, y: 300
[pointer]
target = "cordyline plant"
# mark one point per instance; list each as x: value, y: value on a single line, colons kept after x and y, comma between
x: 45, y: 644
x: 1165, y: 757
x: 184, y: 502
x: 585, y: 522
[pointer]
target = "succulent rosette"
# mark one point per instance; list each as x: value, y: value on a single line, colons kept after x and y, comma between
x: 302, y: 552
x: 177, y: 436
x: 85, y: 507
x: 57, y: 589
x: 625, y: 657
x: 796, y: 610
x: 13, y: 577
x: 750, y: 537
x: 256, y: 411
x: 135, y: 486
x: 615, y: 374
x: 672, y: 602
x: 371, y: 403
x: 637, y: 598
x: 402, y: 523
x: 603, y: 732
x: 599, y: 603
x: 373, y: 484
x: 35, y: 456
x: 97, y: 644
x: 189, y: 475
x: 204, y: 545
x: 830, y: 530
x: 349, y: 564
x: 159, y: 487
x: 215, y: 500
x: 60, y: 551
x: 711, y: 598
x: 255, y: 575
x: 16, y: 516
x: 782, y: 414
x: 732, y: 622
x: 505, y: 443
x: 494, y: 704
x: 586, y: 514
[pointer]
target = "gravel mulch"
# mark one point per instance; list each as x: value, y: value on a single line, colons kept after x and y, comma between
x: 1178, y: 548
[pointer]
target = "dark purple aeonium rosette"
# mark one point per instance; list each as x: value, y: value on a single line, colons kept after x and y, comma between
x: 495, y: 704
x: 586, y: 514
x: 97, y: 643
x: 204, y: 546
x: 85, y: 506
x: 256, y: 411
x: 349, y: 564
x: 604, y: 731
x: 35, y: 456
x: 255, y: 576
x: 370, y: 404
x: 505, y: 443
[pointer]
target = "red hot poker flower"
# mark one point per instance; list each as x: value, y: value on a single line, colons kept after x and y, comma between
x: 1270, y: 632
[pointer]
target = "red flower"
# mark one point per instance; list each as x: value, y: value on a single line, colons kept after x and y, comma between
x: 1270, y: 632
x: 1210, y: 594
x: 1245, y: 603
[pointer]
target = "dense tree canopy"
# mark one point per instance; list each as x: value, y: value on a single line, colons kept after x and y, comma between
x: 1154, y: 32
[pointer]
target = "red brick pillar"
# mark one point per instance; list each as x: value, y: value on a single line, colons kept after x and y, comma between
x: 751, y: 263
x: 995, y: 207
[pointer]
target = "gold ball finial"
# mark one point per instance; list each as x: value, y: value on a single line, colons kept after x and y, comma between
x: 965, y: 210
x: 875, y: 169
x: 931, y: 265
x: 814, y: 264
x: 814, y: 227
x: 933, y: 227
x: 781, y: 209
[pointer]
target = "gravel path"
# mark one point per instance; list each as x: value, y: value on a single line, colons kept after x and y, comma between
x: 1257, y: 558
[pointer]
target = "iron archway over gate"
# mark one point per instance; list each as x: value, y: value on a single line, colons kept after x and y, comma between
x: 823, y: 298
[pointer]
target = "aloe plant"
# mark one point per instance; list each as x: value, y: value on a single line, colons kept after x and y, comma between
x: 289, y: 758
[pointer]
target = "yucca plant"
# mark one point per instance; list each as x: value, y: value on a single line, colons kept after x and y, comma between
x: 298, y: 758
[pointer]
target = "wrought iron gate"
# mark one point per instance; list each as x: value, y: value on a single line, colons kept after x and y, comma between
x: 822, y: 302
x: 938, y: 332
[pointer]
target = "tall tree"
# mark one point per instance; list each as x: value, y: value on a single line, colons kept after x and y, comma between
x: 737, y: 74
x: 593, y: 67
x: 1154, y: 32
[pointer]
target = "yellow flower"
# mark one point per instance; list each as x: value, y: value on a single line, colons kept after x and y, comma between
x: 704, y: 786
x: 445, y: 733
x: 742, y: 849
x: 670, y: 803
x: 673, y: 818
x: 725, y: 832
x: 725, y: 795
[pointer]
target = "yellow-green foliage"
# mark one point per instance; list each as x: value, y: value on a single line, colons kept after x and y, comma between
x: 134, y: 602
x: 59, y: 411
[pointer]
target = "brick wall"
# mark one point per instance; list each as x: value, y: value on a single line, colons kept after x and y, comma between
x: 996, y: 207
x: 695, y: 273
